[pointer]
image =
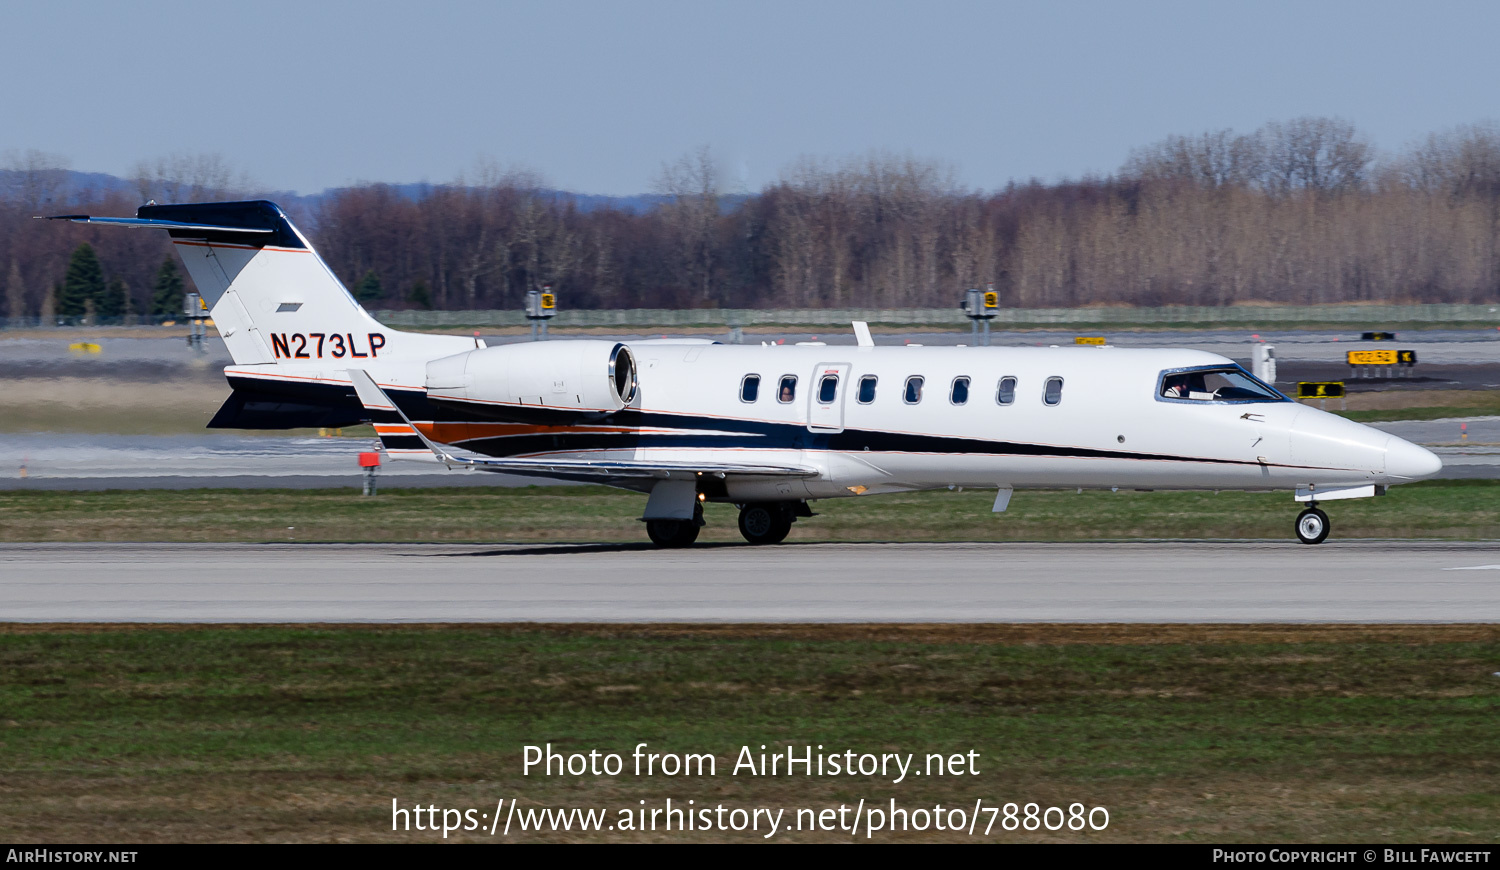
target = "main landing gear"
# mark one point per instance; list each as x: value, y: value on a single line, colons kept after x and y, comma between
x: 760, y: 523
x: 766, y: 523
x: 675, y: 533
x: 672, y: 533
x: 1312, y: 525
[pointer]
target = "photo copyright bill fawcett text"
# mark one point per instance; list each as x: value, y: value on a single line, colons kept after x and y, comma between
x: 513, y: 816
x: 1403, y: 855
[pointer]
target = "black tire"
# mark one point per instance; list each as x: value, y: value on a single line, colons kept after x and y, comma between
x: 672, y: 533
x: 765, y: 523
x: 1312, y: 526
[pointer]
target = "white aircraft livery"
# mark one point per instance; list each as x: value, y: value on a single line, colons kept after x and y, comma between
x: 766, y: 428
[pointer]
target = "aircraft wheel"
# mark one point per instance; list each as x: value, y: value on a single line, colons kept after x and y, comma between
x: 1312, y: 526
x: 765, y: 523
x: 672, y: 533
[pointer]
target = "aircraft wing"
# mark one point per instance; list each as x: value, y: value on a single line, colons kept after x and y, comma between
x: 619, y: 468
x: 599, y: 470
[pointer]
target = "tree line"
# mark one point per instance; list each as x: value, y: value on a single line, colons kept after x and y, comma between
x: 1301, y: 211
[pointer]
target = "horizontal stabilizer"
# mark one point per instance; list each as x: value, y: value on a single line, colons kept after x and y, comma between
x: 148, y: 222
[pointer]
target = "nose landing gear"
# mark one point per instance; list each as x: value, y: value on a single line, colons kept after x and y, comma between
x: 1312, y: 525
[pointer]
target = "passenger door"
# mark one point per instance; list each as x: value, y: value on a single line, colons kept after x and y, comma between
x: 825, y: 397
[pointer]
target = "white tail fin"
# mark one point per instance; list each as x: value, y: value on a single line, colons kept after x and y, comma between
x: 271, y: 296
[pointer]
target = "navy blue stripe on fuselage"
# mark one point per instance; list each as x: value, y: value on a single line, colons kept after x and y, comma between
x: 745, y: 434
x: 765, y: 435
x: 402, y: 442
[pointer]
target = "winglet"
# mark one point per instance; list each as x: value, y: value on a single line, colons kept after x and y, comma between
x: 396, y: 439
x: 862, y: 334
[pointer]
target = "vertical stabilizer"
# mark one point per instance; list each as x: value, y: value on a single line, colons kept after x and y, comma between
x: 271, y: 296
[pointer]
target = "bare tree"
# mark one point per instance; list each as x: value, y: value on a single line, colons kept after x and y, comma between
x: 34, y: 178
x: 184, y: 177
x: 1317, y: 154
x: 1461, y: 161
x: 1218, y: 158
x: 695, y: 183
x: 15, y: 292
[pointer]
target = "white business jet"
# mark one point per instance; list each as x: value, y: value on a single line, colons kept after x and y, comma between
x: 766, y: 428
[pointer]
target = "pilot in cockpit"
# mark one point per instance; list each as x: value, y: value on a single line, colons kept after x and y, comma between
x: 1184, y: 385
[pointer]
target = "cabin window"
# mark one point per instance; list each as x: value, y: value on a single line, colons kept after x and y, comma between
x: 914, y: 389
x: 1225, y: 384
x: 1052, y: 393
x: 750, y: 388
x: 959, y: 395
x: 1006, y: 394
x: 866, y: 389
x: 788, y: 389
x: 828, y: 389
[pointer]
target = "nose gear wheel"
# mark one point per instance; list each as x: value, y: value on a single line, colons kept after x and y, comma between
x: 1312, y: 526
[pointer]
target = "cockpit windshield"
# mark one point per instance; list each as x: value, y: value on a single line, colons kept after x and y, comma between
x: 1228, y: 384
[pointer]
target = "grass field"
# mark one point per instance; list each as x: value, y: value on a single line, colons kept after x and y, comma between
x: 1466, y: 510
x: 1184, y: 733
x: 1418, y: 405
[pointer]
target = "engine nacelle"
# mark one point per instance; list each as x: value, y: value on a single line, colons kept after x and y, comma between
x: 536, y: 382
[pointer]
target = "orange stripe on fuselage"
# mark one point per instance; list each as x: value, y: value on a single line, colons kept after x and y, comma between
x: 243, y: 247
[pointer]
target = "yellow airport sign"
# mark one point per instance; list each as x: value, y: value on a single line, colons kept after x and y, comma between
x: 1320, y: 389
x: 991, y: 299
x: 1373, y: 357
x: 1089, y: 339
x: 548, y: 301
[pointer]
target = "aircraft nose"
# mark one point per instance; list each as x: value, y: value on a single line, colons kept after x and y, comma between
x: 1405, y: 459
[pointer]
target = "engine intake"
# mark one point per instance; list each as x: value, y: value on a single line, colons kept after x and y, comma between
x: 536, y: 382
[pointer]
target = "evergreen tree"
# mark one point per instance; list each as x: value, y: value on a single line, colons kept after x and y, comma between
x: 420, y: 295
x: 166, y: 297
x: 84, y: 283
x: 115, y: 299
x: 368, y: 289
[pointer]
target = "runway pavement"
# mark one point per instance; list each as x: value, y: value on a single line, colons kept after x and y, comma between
x: 1355, y: 581
x: 96, y: 462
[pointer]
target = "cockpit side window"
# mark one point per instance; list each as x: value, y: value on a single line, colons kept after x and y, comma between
x: 1226, y: 384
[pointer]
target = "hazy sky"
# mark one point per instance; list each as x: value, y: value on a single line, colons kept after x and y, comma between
x: 595, y: 96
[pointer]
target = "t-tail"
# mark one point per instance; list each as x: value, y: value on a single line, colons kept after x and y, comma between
x: 271, y: 296
x: 290, y: 325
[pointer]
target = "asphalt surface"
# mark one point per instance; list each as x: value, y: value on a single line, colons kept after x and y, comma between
x: 95, y: 462
x: 1353, y: 581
